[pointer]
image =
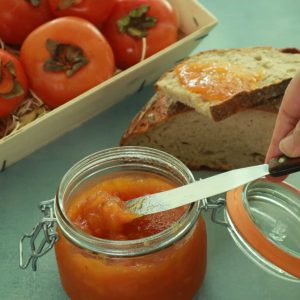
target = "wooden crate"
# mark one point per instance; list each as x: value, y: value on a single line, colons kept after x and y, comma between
x: 195, y: 24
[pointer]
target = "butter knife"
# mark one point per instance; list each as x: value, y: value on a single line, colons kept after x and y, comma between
x: 211, y: 186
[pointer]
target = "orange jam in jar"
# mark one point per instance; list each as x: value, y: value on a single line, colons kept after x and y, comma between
x: 99, y: 210
x: 107, y: 252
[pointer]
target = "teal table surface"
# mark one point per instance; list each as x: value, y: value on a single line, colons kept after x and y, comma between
x: 230, y: 275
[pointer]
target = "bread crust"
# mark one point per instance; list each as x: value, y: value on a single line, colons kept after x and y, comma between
x: 160, y: 109
x: 157, y: 110
x: 246, y: 100
x: 219, y: 110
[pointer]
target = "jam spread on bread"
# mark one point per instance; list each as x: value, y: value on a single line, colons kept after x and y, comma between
x: 215, y: 81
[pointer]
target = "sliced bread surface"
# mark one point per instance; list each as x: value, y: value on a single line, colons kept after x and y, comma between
x: 238, y: 141
x: 268, y: 71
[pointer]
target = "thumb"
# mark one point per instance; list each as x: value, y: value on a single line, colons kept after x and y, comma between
x: 290, y: 145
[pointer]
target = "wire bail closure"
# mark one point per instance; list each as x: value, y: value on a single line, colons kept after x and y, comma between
x: 45, y: 229
x: 215, y: 205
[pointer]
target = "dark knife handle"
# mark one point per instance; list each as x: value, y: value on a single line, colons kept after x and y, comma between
x: 283, y: 165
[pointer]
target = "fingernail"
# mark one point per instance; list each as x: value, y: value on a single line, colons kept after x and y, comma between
x: 287, y: 145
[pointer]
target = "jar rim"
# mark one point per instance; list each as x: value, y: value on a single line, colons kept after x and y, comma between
x: 126, y: 156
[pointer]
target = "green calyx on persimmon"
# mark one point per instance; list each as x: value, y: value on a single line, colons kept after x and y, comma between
x: 63, y: 4
x: 9, y: 85
x: 64, y: 57
x: 137, y: 23
x: 34, y: 3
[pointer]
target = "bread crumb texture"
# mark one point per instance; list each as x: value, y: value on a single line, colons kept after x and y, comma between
x: 237, y: 141
x: 253, y: 75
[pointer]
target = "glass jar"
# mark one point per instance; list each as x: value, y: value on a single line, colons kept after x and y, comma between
x: 167, y: 265
x: 263, y: 218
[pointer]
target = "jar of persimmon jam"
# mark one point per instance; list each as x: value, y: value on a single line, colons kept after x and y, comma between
x: 106, y: 252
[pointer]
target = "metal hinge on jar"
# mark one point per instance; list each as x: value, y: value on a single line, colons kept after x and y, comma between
x: 216, y: 206
x: 44, y: 232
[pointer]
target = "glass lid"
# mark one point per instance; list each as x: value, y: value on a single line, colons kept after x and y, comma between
x: 266, y: 225
x: 275, y: 209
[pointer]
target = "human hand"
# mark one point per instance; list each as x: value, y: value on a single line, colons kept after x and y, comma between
x: 286, y: 135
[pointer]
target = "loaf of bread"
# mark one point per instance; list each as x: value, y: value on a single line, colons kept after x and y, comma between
x: 218, y: 83
x: 198, y: 141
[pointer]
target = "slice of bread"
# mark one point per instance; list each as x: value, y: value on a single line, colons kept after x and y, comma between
x: 231, y: 79
x: 238, y: 141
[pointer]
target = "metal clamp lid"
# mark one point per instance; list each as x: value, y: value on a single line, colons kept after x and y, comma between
x: 46, y: 229
x: 216, y: 205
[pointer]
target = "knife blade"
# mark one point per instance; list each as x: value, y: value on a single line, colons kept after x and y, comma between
x: 211, y: 186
